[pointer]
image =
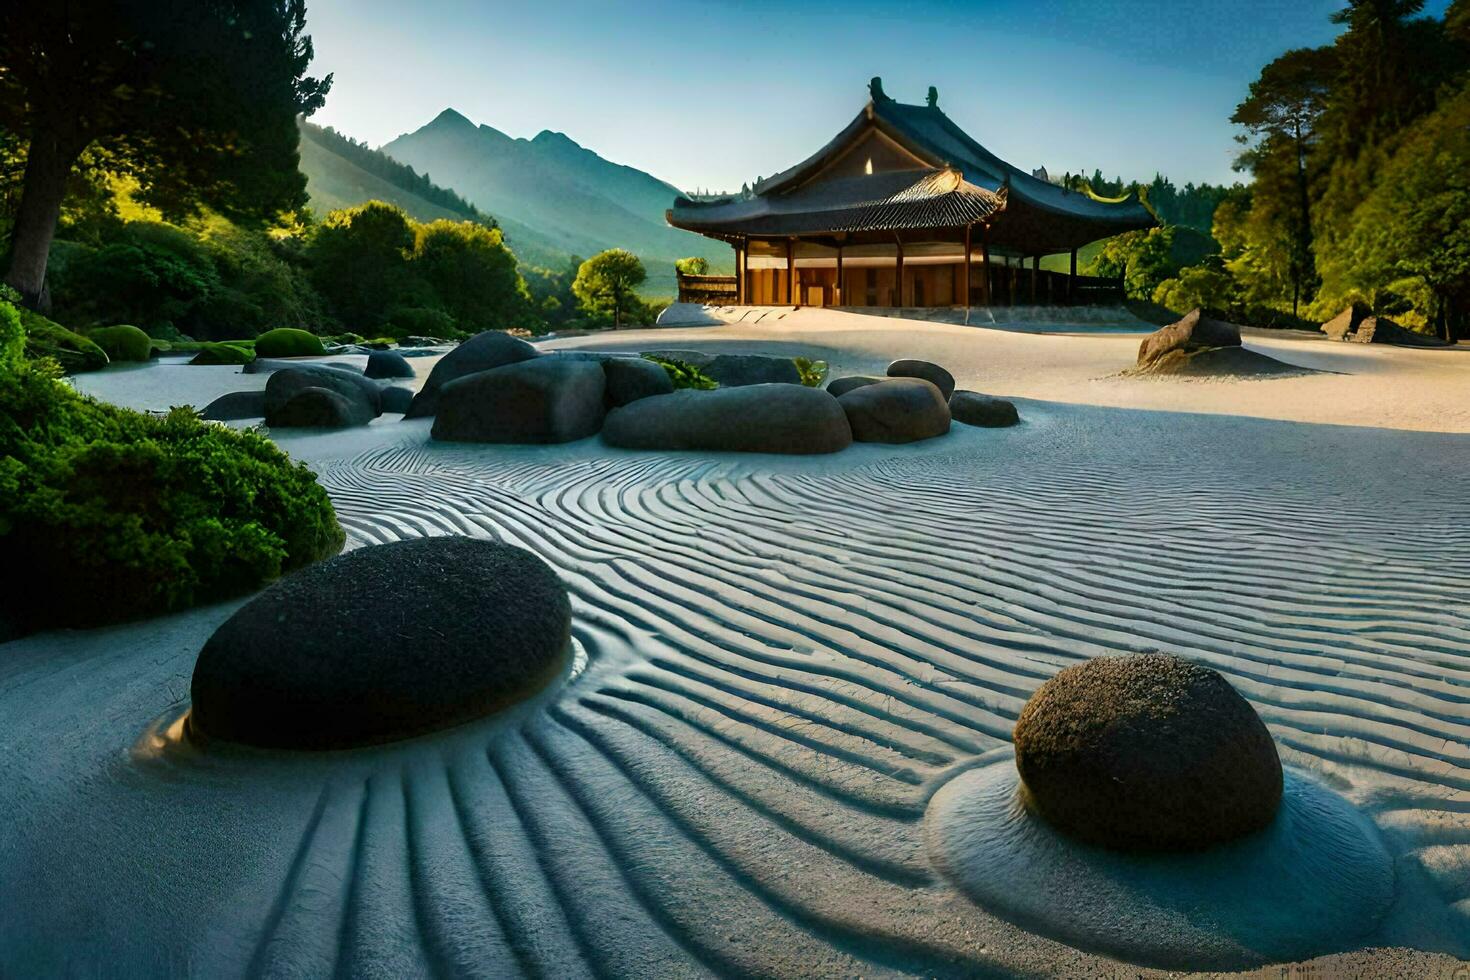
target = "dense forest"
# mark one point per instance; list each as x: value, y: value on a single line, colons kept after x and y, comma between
x: 1356, y: 165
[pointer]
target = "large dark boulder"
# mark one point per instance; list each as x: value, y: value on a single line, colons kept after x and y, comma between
x: 1148, y: 752
x: 387, y: 364
x: 632, y: 378
x: 1342, y: 326
x: 896, y: 411
x: 537, y: 401
x: 482, y: 352
x: 738, y: 370
x: 1382, y: 330
x: 1194, y: 332
x: 236, y: 405
x: 383, y: 643
x: 396, y: 399
x: 841, y: 386
x: 769, y: 418
x: 973, y: 408
x: 929, y: 371
x: 318, y: 408
x: 361, y: 391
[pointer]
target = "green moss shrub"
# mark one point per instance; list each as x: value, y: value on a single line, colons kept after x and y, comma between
x: 122, y: 342
x: 683, y: 374
x: 223, y: 354
x: 288, y: 342
x: 108, y: 514
x: 49, y: 339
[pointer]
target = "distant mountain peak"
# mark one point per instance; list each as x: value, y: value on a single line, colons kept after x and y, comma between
x: 451, y: 117
x: 551, y: 136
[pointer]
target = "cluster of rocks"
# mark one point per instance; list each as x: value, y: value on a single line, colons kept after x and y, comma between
x: 1357, y: 324
x: 319, y: 395
x: 1198, y: 345
x: 499, y: 389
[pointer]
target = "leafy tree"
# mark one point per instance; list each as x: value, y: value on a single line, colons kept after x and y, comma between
x: 1143, y: 259
x: 360, y: 263
x: 197, y: 99
x: 695, y: 265
x: 606, y: 282
x: 1281, y: 114
x: 1205, y: 286
x: 473, y: 273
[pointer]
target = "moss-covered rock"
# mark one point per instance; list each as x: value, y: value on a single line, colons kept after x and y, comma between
x: 223, y: 354
x: 47, y: 338
x: 288, y: 342
x: 123, y: 342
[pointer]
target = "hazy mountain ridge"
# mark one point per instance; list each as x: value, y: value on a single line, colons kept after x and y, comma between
x: 569, y: 194
x: 333, y: 180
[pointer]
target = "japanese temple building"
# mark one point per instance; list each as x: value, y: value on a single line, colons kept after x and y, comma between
x: 902, y: 208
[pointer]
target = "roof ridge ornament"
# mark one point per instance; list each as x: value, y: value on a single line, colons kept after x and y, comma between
x: 875, y: 89
x: 933, y: 97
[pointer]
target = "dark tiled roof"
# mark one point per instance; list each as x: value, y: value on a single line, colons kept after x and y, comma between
x: 893, y: 200
x: 1029, y: 215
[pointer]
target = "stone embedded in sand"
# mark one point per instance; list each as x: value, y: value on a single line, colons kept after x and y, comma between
x: 286, y: 383
x: 235, y: 405
x: 543, y: 400
x: 632, y: 378
x: 895, y: 411
x: 1382, y: 330
x: 928, y: 370
x: 482, y: 352
x: 737, y: 370
x: 319, y: 408
x: 1147, y: 752
x: 383, y: 643
x: 1342, y: 326
x: 973, y: 408
x: 396, y: 399
x: 841, y: 386
x: 769, y: 418
x: 387, y: 364
x: 1194, y: 332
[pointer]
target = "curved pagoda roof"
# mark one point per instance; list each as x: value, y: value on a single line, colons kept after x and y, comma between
x: 942, y: 181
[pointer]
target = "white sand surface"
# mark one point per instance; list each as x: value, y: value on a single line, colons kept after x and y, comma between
x: 789, y: 657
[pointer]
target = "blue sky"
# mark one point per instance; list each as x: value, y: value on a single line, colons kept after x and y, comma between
x: 710, y: 94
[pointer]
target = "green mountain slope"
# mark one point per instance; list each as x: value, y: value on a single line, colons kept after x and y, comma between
x: 580, y: 202
x: 338, y: 176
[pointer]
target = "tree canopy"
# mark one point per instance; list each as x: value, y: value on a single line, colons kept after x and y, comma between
x: 195, y: 99
x: 606, y: 282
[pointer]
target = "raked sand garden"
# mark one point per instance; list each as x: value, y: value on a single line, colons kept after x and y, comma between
x: 780, y: 740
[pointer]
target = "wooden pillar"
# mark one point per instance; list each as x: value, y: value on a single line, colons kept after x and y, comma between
x: 898, y: 284
x: 740, y: 272
x: 791, y: 273
x: 985, y: 261
x: 1072, y: 281
x: 839, y: 298
x: 1035, y: 268
x: 969, y: 252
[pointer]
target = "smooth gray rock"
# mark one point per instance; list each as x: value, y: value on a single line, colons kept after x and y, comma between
x: 841, y: 386
x: 1147, y: 752
x: 236, y: 405
x: 973, y: 408
x: 396, y: 399
x: 632, y: 378
x: 768, y: 418
x: 354, y: 387
x: 318, y: 408
x: 544, y: 400
x: 737, y: 370
x: 928, y: 370
x: 896, y: 411
x: 383, y: 643
x: 482, y: 352
x: 387, y: 364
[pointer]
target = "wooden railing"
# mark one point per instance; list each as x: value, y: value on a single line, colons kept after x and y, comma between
x: 1013, y: 287
x: 710, y: 290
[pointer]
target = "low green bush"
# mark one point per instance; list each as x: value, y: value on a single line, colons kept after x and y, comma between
x: 684, y: 374
x: 419, y: 321
x: 12, y: 337
x: 813, y: 373
x: 47, y: 338
x: 288, y: 342
x: 108, y: 514
x: 223, y: 354
x: 122, y: 342
x: 342, y: 338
